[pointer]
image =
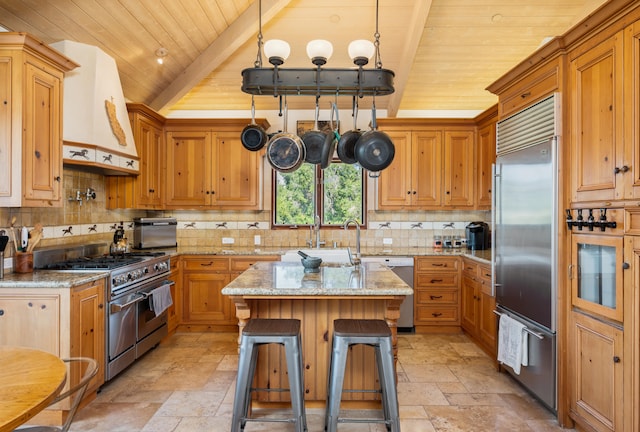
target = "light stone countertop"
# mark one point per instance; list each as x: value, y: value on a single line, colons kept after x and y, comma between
x: 50, y: 279
x: 289, y: 279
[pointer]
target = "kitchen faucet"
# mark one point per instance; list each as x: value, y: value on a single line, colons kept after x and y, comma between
x: 355, y: 260
x: 315, y: 228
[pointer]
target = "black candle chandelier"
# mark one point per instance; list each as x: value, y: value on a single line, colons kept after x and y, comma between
x: 318, y: 81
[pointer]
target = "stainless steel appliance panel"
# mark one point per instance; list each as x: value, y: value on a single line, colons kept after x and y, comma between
x: 540, y: 375
x: 524, y: 250
x: 154, y: 233
x: 148, y: 322
x: 122, y: 324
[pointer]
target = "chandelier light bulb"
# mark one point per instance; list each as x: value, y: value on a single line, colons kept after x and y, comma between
x: 360, y: 51
x: 319, y: 51
x: 277, y: 51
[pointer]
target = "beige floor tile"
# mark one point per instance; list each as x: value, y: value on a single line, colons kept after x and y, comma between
x: 187, y: 384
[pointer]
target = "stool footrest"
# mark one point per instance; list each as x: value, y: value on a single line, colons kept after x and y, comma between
x: 278, y: 390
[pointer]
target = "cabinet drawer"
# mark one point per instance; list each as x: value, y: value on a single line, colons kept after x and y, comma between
x: 206, y: 264
x: 469, y: 268
x: 437, y: 263
x: 539, y: 84
x: 484, y: 273
x: 437, y: 314
x: 425, y: 280
x: 436, y: 296
x: 240, y: 264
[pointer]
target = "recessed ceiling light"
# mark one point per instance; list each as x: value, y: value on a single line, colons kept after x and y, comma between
x: 161, y: 53
x: 495, y: 18
x: 335, y: 18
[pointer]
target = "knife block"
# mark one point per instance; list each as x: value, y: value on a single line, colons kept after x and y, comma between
x: 23, y: 262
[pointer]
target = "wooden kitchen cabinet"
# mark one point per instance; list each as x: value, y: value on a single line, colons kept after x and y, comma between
x: 436, y: 294
x: 478, y: 304
x: 485, y: 157
x: 208, y: 167
x: 599, y: 164
x: 174, y: 312
x: 67, y: 322
x: 203, y: 277
x: 596, y: 373
x: 433, y: 168
x: 145, y: 190
x: 31, y: 81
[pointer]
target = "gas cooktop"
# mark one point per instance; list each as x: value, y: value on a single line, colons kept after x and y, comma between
x: 107, y: 262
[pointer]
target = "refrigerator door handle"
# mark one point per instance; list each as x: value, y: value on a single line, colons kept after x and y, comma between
x: 527, y: 329
x: 494, y: 200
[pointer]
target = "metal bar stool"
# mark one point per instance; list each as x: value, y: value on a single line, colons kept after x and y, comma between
x: 260, y: 331
x: 375, y: 333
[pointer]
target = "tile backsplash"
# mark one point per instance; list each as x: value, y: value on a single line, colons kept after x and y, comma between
x: 87, y: 220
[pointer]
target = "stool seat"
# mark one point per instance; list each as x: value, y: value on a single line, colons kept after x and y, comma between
x: 375, y: 333
x: 272, y: 327
x: 261, y: 331
x: 361, y: 327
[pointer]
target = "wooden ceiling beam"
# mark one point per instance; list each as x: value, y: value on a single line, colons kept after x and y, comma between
x: 236, y: 35
x: 414, y: 35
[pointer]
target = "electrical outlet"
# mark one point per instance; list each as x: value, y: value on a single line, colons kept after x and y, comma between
x: 228, y: 240
x: 387, y: 241
x: 256, y: 240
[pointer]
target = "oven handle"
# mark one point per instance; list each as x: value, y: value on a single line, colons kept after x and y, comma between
x: 119, y: 307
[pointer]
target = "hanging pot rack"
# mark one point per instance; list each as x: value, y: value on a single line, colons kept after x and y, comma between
x: 319, y: 81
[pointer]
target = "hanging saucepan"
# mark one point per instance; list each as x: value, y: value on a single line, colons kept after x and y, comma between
x: 374, y: 150
x: 315, y: 140
x: 347, y: 142
x: 285, y: 151
x: 253, y: 136
x: 330, y: 145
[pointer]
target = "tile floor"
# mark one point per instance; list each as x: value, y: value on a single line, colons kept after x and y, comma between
x: 186, y: 384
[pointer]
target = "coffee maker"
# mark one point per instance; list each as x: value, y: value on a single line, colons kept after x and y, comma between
x: 478, y: 237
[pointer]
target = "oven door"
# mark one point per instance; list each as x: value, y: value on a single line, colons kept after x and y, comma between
x: 151, y: 328
x: 122, y: 332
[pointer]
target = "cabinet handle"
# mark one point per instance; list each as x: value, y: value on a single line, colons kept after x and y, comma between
x: 525, y: 95
x: 209, y: 264
x: 100, y: 306
x: 625, y: 266
x: 447, y: 192
x: 436, y: 280
x: 414, y: 192
x: 624, y: 169
x: 433, y: 297
x: 438, y: 265
x: 616, y: 359
x: 436, y: 314
x: 57, y: 178
x: 408, y: 192
x: 1, y: 312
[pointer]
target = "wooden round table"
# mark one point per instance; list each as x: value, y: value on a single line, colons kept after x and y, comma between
x: 29, y: 380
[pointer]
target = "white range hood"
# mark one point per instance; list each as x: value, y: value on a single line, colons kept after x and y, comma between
x: 96, y: 129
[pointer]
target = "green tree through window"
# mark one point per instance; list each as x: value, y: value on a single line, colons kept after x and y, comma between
x: 336, y: 193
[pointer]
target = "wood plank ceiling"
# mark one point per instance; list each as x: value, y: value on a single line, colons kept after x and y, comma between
x: 444, y: 52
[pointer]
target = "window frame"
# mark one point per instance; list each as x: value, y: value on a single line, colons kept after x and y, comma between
x: 319, y: 193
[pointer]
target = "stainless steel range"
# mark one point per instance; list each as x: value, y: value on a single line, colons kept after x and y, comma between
x: 133, y: 327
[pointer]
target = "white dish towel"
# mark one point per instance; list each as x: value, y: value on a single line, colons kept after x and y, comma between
x: 161, y: 298
x: 512, y: 343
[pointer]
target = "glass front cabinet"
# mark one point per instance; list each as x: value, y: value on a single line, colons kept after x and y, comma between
x: 596, y: 275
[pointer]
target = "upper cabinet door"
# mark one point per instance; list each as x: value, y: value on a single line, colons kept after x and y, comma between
x: 426, y: 168
x: 236, y: 180
x: 486, y: 157
x: 188, y: 169
x: 632, y: 105
x: 459, y: 168
x: 394, y: 183
x: 597, y: 155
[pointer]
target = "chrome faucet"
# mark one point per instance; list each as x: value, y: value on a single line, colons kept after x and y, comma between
x: 315, y: 228
x: 355, y: 260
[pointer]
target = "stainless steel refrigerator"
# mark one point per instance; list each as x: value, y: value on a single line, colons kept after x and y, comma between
x: 524, y: 238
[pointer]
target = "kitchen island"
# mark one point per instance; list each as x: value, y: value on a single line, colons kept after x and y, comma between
x: 284, y: 290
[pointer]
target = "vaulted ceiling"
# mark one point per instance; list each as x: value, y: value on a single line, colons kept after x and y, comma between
x: 443, y: 52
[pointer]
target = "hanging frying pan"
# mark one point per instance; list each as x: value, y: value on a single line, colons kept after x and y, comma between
x: 315, y: 140
x: 285, y: 151
x: 253, y: 136
x: 330, y: 145
x: 347, y: 142
x: 374, y: 150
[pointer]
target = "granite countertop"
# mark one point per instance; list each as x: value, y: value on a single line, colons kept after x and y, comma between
x: 50, y: 279
x: 289, y: 279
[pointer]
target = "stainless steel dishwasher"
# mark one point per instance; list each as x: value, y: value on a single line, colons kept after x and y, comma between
x: 403, y: 267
